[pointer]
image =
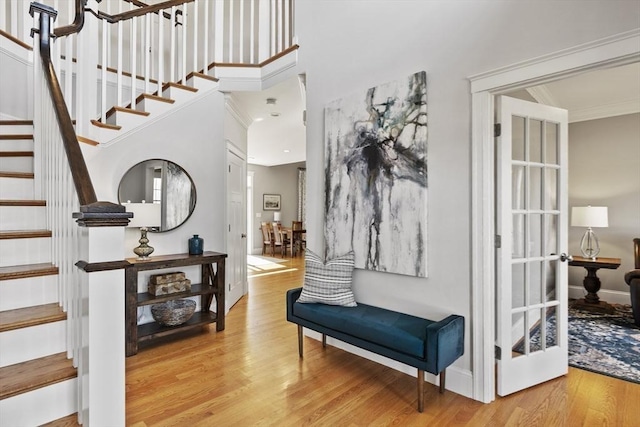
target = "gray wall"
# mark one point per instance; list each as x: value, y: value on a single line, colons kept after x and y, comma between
x: 604, y: 170
x: 281, y: 180
x: 349, y: 46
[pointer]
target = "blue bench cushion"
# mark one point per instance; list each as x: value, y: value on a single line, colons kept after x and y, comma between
x: 401, y: 332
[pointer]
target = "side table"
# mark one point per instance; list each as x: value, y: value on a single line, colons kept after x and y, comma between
x: 591, y: 283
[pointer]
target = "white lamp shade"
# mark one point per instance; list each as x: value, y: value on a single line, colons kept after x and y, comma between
x: 276, y: 216
x: 589, y: 216
x: 144, y: 214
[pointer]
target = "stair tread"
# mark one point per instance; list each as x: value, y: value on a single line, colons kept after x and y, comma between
x: 30, y: 316
x: 105, y: 125
x: 179, y: 86
x: 16, y: 136
x: 26, y: 175
x: 68, y: 421
x: 16, y: 122
x: 16, y: 153
x: 113, y: 110
x: 24, y: 234
x: 34, y: 374
x: 8, y: 202
x: 202, y: 76
x: 27, y: 270
x: 155, y: 98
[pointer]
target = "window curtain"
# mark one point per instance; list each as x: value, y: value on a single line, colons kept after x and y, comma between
x: 302, y: 195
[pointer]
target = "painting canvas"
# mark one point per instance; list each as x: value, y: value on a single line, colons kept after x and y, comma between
x: 376, y: 177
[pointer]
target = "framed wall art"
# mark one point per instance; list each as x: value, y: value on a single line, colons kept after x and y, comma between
x: 376, y: 177
x: 271, y: 202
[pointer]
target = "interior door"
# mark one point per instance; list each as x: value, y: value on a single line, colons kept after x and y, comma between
x: 531, y: 220
x: 236, y: 266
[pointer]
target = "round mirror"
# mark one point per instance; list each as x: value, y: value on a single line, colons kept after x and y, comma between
x: 161, y: 182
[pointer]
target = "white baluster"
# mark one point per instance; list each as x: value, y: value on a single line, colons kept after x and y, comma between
x: 172, y: 60
x: 103, y: 74
x: 218, y: 35
x: 252, y: 34
x: 161, y: 65
x: 185, y: 32
x: 230, y: 32
x: 205, y: 49
x: 134, y: 57
x: 119, y: 88
x: 147, y: 54
x: 196, y: 6
x: 241, y: 33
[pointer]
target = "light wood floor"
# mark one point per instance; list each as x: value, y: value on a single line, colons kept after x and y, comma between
x: 250, y: 374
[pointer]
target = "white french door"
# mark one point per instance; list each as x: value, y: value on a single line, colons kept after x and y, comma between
x: 531, y: 218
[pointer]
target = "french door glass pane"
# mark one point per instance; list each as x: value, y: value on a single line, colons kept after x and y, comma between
x: 535, y: 188
x: 551, y: 189
x: 550, y: 287
x: 517, y: 245
x: 551, y: 143
x: 535, y: 235
x: 518, y: 187
x: 551, y: 240
x: 535, y: 291
x: 517, y: 335
x: 518, y: 137
x: 517, y: 285
x: 535, y: 141
x: 536, y: 330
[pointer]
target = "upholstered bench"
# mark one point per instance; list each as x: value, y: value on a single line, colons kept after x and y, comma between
x: 424, y: 344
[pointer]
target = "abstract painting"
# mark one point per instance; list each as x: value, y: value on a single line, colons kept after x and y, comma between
x: 376, y: 177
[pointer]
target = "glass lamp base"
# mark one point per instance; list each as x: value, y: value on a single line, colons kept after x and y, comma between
x: 589, y: 245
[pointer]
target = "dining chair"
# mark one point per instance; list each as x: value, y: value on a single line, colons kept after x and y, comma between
x: 267, y: 240
x: 280, y: 239
x: 299, y: 239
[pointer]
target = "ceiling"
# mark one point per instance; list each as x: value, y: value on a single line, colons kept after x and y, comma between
x: 281, y: 139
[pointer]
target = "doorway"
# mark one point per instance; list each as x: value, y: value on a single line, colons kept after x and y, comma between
x: 616, y: 50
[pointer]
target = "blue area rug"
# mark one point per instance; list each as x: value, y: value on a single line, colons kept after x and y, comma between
x: 607, y: 344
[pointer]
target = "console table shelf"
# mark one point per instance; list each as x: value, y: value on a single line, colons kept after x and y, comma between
x: 211, y: 285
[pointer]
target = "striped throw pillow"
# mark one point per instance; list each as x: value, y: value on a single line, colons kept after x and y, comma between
x: 328, y: 282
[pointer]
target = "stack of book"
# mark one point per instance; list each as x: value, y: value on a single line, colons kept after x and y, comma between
x: 168, y: 283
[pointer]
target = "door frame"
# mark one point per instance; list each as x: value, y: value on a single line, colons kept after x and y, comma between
x: 616, y: 50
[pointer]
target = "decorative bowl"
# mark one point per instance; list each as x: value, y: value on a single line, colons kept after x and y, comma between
x: 173, y: 312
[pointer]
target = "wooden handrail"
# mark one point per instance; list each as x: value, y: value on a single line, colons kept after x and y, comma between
x: 92, y: 212
x: 139, y: 12
x: 76, y: 25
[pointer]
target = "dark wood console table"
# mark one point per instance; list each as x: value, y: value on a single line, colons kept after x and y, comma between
x: 211, y: 284
x: 591, y: 283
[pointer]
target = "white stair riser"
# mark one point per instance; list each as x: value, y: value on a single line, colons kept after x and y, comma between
x: 153, y: 107
x: 16, y: 188
x: 23, y: 218
x: 16, y: 164
x: 16, y: 130
x: 20, y: 293
x: 178, y: 95
x: 40, y: 406
x: 25, y: 251
x: 16, y: 145
x: 202, y: 84
x: 20, y: 345
x: 126, y: 120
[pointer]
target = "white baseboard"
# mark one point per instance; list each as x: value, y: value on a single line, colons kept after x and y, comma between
x: 612, y: 297
x: 459, y: 380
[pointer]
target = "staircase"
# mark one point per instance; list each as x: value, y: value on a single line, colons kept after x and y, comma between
x: 33, y: 363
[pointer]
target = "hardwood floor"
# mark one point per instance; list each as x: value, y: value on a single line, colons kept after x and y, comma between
x: 250, y: 374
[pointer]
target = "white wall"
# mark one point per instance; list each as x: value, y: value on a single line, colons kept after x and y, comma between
x: 604, y: 170
x: 281, y: 180
x: 193, y: 138
x: 350, y: 45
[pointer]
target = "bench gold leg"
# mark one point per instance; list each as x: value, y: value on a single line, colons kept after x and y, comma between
x: 442, y: 379
x: 420, y: 390
x: 324, y: 341
x: 300, y: 340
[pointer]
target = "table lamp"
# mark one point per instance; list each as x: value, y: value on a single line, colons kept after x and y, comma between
x: 276, y: 216
x: 145, y: 215
x: 589, y: 216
